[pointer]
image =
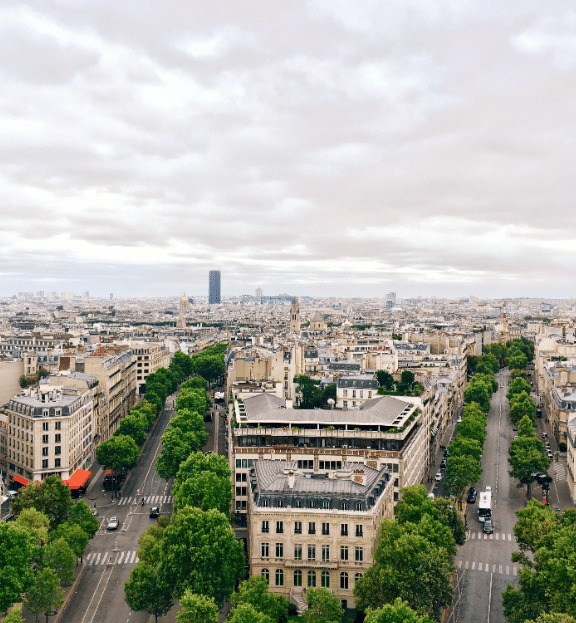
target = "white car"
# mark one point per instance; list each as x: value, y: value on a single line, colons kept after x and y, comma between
x: 488, y: 489
x: 438, y: 477
x: 113, y: 523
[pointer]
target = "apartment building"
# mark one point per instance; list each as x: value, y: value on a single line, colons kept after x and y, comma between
x: 386, y: 431
x: 150, y: 357
x: 571, y: 456
x: 354, y: 390
x: 315, y: 527
x: 50, y: 432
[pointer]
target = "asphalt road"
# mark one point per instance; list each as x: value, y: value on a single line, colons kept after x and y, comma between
x: 483, y: 563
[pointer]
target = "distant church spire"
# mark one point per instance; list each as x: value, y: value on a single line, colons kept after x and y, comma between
x: 182, y: 306
x: 295, y: 316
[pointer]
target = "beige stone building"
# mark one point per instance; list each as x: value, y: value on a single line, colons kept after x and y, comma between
x: 150, y: 357
x: 315, y: 527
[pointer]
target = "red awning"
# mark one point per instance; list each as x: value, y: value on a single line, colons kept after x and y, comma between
x: 78, y: 479
x: 20, y: 480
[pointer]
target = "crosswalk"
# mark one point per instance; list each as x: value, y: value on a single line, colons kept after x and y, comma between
x: 116, y: 558
x: 148, y: 499
x: 559, y: 471
x: 495, y: 536
x: 487, y: 567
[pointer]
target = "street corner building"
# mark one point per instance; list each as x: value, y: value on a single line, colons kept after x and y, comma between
x: 308, y: 529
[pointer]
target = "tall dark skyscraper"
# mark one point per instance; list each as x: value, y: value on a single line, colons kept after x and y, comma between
x: 214, y: 287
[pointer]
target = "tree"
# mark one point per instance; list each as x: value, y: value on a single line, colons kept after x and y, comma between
x: 554, y: 617
x: 309, y: 391
x: 199, y: 462
x: 176, y: 448
x: 150, y: 541
x: 209, y: 367
x: 51, y: 497
x: 398, y: 612
x: 255, y: 592
x: 385, y: 380
x: 81, y: 515
x: 147, y: 590
x: 193, y: 400
x: 407, y: 378
x: 526, y: 427
x: 205, y: 490
x: 517, y: 386
x: 45, y: 594
x: 147, y: 410
x: 16, y: 551
x: 58, y: 556
x: 323, y: 607
x: 73, y: 535
x: 474, y: 410
x: 461, y: 472
x: 521, y: 405
x: 486, y: 379
x: 472, y: 429
x: 15, y: 615
x: 492, y: 361
x: 246, y: 613
x: 118, y: 453
x: 535, y: 525
x: 479, y: 393
x: 518, y: 362
x: 197, y: 609
x: 133, y: 426
x: 196, y: 382
x: 410, y: 567
x: 527, y: 457
x: 35, y: 523
x: 465, y: 446
x: 448, y: 516
x: 201, y: 553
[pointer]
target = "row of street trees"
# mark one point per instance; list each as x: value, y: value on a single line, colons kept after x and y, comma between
x: 413, y: 567
x: 38, y: 551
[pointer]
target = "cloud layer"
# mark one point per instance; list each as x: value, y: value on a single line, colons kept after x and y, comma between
x: 326, y: 147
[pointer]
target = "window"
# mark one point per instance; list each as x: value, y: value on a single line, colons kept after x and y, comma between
x: 58, y: 438
x: 279, y: 577
x: 265, y: 527
x: 45, y: 425
x: 344, y: 552
x: 44, y: 438
x: 344, y: 580
x: 345, y: 403
x: 311, y: 552
x: 312, y: 579
x: 359, y: 530
x: 279, y: 527
x: 357, y: 577
x: 56, y: 462
x: 325, y: 528
x: 240, y: 490
x: 297, y: 527
x: 297, y: 577
x: 344, y: 529
x: 265, y: 574
x: 265, y: 502
x: 265, y: 550
x: 240, y: 505
x: 325, y: 579
x: 326, y: 504
x: 279, y: 550
x: 311, y: 527
x: 345, y: 393
x: 45, y: 463
x: 298, y: 552
x: 325, y: 553
x: 241, y: 477
x: 57, y: 425
x: 359, y: 554
x: 44, y: 451
x: 58, y: 450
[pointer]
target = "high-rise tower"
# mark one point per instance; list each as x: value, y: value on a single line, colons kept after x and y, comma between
x: 214, y: 287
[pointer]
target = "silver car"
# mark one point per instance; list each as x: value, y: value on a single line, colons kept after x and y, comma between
x: 113, y: 523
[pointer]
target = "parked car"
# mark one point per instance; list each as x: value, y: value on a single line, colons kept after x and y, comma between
x: 113, y: 523
x: 458, y: 419
x: 442, y: 463
x: 514, y: 428
x: 438, y: 477
x: 488, y: 527
x: 446, y: 453
x: 549, y: 454
x: 472, y: 495
x: 154, y: 512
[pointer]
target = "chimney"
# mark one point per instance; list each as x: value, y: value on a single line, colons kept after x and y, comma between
x: 289, y: 403
x: 291, y: 479
x: 359, y: 476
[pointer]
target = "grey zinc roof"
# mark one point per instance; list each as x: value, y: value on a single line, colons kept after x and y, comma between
x: 271, y: 479
x: 265, y: 408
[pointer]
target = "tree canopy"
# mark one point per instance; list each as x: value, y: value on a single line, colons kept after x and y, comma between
x: 255, y: 592
x: 118, y: 453
x: 51, y: 497
x: 323, y: 607
x: 397, y: 612
x: 16, y: 551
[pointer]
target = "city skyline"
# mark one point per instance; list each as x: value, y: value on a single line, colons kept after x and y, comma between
x: 322, y: 149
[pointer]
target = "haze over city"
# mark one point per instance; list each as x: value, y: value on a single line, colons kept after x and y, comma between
x: 317, y: 148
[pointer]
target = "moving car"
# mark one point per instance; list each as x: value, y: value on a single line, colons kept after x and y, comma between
x: 113, y: 523
x: 488, y: 489
x: 438, y: 477
x: 458, y: 419
x: 488, y: 527
x: 154, y: 512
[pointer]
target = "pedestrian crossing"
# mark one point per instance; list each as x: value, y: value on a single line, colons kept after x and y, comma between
x: 559, y: 471
x: 148, y: 499
x: 495, y: 536
x: 487, y: 567
x: 117, y: 558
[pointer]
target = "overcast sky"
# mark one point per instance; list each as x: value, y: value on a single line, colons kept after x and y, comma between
x: 328, y: 147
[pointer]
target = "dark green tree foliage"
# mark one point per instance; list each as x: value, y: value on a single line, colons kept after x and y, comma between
x: 498, y: 350
x: 246, y: 613
x: 197, y: 609
x: 118, y: 453
x: 51, y: 497
x: 181, y: 365
x: 472, y: 429
x: 463, y: 446
x: 201, y: 553
x: 147, y: 590
x: 408, y: 566
x: 196, y: 382
x: 197, y: 463
x: 323, y: 607
x: 527, y: 457
x: 81, y: 515
x: 150, y: 541
x: 471, y: 364
x: 209, y: 367
x: 16, y: 551
x: 189, y: 422
x: 488, y: 379
x: 479, y: 393
x: 73, y: 535
x: 398, y: 612
x: 133, y: 426
x: 255, y: 592
x: 517, y: 386
x: 146, y: 410
x: 44, y: 594
x: 192, y: 400
x: 521, y: 405
x: 548, y: 583
x: 176, y: 448
x: 205, y: 491
x: 407, y: 378
x: 526, y: 427
x: 59, y: 557
x: 35, y: 523
x: 312, y: 396
x: 385, y: 380
x: 461, y: 472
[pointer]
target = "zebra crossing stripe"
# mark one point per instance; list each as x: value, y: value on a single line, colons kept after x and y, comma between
x: 97, y: 559
x: 507, y: 570
x: 514, y: 571
x: 121, y: 557
x: 509, y: 537
x: 459, y: 564
x: 497, y: 536
x: 466, y: 564
x: 473, y: 566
